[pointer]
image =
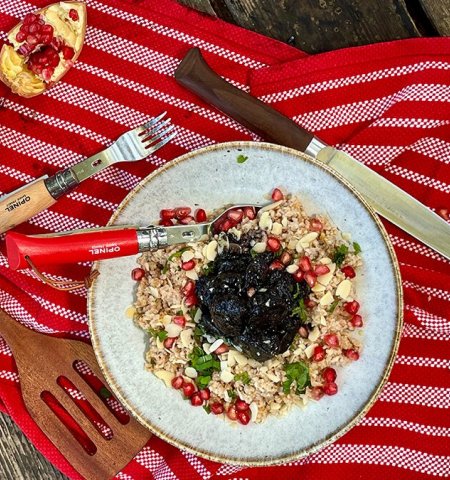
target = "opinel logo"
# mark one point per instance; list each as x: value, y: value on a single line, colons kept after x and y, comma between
x: 17, y: 203
x: 102, y: 249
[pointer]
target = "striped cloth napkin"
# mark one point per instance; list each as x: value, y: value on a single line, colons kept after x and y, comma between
x: 387, y: 105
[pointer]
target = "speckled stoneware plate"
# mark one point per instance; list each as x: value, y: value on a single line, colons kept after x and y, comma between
x: 211, y: 178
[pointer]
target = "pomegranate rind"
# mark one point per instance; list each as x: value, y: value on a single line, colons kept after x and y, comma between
x: 15, y: 74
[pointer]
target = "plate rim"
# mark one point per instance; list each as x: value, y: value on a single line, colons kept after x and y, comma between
x: 388, y: 366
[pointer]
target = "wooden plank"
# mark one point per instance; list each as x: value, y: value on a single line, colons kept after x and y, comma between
x: 19, y: 460
x: 319, y: 25
x: 438, y: 13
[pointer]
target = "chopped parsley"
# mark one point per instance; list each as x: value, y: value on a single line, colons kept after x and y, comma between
x: 232, y: 394
x: 241, y: 158
x: 333, y: 306
x: 300, y: 310
x: 339, y: 255
x: 207, y: 409
x: 253, y: 253
x: 296, y: 372
x: 357, y: 248
x: 205, y: 364
x: 208, y: 268
x: 242, y: 377
x: 160, y: 334
x: 174, y: 255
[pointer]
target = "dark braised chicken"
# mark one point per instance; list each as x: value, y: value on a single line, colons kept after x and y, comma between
x: 247, y: 303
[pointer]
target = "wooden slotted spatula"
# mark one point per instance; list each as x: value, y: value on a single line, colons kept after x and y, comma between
x: 41, y: 360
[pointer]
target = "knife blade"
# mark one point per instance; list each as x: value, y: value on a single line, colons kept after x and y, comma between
x: 383, y: 196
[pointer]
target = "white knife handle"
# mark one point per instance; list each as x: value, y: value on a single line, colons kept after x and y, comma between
x: 21, y: 205
x: 391, y: 202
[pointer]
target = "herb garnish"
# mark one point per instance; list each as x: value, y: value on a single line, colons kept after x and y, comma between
x: 232, y: 394
x: 339, y: 255
x: 357, y: 248
x: 160, y: 334
x: 105, y: 393
x: 207, y: 409
x: 174, y: 255
x: 296, y: 372
x: 333, y: 306
x: 300, y: 309
x: 208, y: 268
x: 253, y: 253
x: 241, y: 158
x: 242, y: 377
x: 205, y: 364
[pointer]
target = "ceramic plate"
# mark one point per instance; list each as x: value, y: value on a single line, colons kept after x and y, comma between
x: 211, y: 178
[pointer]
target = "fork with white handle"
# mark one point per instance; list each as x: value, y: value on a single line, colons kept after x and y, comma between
x: 136, y: 144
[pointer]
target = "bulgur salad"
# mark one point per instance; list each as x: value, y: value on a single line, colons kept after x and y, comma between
x: 258, y: 317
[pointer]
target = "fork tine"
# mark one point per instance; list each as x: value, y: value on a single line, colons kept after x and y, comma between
x: 147, y: 132
x: 152, y: 138
x: 152, y: 148
x: 151, y: 122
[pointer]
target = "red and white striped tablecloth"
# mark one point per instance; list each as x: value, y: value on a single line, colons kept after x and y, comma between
x: 388, y: 105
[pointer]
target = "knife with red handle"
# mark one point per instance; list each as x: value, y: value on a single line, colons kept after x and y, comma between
x: 96, y: 244
x: 385, y: 198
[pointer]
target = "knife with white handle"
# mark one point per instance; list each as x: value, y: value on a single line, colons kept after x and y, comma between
x: 384, y: 197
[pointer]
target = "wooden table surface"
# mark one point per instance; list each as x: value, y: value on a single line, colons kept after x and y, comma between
x: 311, y: 25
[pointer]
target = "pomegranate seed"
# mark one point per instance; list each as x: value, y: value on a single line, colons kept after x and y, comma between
x: 168, y: 342
x: 166, y: 223
x: 177, y: 382
x: 30, y: 18
x: 20, y: 37
x: 179, y: 320
x: 67, y: 52
x: 222, y: 349
x: 348, y: 271
x: 188, y: 288
x: 321, y: 270
x: 73, y: 14
x: 25, y: 49
x: 46, y: 39
x: 188, y: 389
x: 356, y: 321
x: 316, y: 225
x: 277, y: 195
x: 47, y: 29
x: 241, y: 406
x: 137, y: 274
x: 231, y: 412
x: 34, y: 28
x: 298, y: 276
x: 250, y: 213
x: 305, y: 264
x: 285, y: 258
x: 188, y: 265
x: 303, y: 332
x: 273, y: 244
x: 187, y: 220
x: 200, y: 215
x: 244, y: 417
x: 276, y: 265
x: 205, y: 394
x: 316, y: 393
x: 31, y: 39
x: 196, y: 400
x: 235, y: 215
x: 216, y: 408
x: 191, y: 300
x: 351, y: 307
x: 329, y: 374
x: 319, y: 354
x: 330, y: 388
x: 226, y: 225
x: 309, y: 303
x: 443, y: 212
x: 331, y: 340
x: 310, y: 278
x: 351, y: 354
x: 181, y: 212
x: 167, y: 214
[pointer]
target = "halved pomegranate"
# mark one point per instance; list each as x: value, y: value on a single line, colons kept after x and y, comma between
x: 43, y: 47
